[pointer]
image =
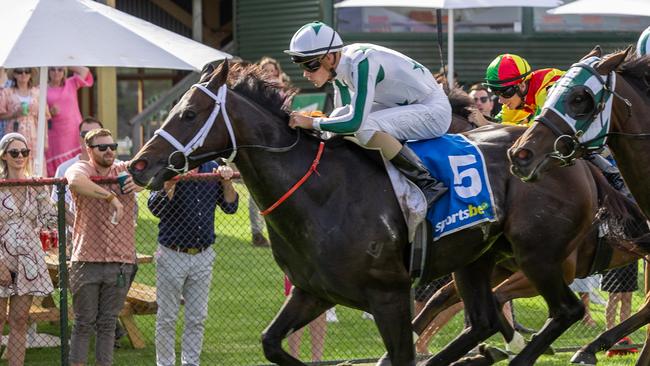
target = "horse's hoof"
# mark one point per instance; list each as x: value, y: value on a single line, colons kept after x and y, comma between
x: 584, y: 358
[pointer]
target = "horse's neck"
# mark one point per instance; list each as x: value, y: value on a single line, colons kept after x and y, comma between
x: 632, y: 155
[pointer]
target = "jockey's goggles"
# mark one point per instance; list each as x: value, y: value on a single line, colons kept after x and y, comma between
x: 507, y: 92
x: 310, y: 65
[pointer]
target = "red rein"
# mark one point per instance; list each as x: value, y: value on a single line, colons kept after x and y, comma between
x: 302, y: 180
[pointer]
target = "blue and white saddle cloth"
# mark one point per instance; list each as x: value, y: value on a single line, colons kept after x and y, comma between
x: 459, y: 164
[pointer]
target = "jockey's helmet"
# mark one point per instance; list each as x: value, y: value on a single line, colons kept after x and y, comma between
x: 506, y: 70
x: 312, y: 40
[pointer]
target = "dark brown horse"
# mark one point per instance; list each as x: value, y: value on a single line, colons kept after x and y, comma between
x: 619, y: 247
x: 553, y: 141
x: 341, y: 238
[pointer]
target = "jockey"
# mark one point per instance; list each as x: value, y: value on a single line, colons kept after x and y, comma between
x: 521, y: 90
x: 523, y: 93
x: 381, y: 96
x: 643, y: 45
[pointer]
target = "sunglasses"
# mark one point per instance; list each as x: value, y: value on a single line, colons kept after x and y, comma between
x: 14, y: 153
x: 59, y: 69
x: 83, y: 134
x: 103, y: 147
x: 311, y: 65
x: 481, y: 99
x: 506, y: 93
x: 22, y: 71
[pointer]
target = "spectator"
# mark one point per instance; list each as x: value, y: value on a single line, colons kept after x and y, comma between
x: 103, y: 248
x: 87, y: 124
x: 64, y: 107
x: 317, y: 328
x: 484, y: 103
x: 272, y: 67
x: 185, y: 257
x: 19, y: 107
x: 620, y: 283
x: 23, y: 272
x: 5, y: 82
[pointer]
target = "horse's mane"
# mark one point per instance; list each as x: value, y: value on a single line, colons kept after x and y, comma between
x: 460, y: 102
x: 636, y: 71
x: 251, y: 82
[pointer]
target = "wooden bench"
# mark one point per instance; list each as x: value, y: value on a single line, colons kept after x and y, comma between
x: 140, y: 300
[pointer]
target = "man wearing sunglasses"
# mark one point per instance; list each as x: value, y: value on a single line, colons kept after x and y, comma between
x: 521, y: 90
x: 103, y: 247
x: 381, y: 96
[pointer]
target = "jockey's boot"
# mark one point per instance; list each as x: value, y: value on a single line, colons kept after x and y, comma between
x: 410, y: 165
x: 611, y: 173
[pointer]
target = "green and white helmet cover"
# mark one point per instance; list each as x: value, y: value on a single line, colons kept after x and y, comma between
x: 314, y: 39
x: 643, y: 45
x: 589, y: 130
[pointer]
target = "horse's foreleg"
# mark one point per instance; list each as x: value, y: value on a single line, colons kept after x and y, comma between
x: 444, y: 298
x: 480, y: 309
x: 299, y: 310
x: 564, y: 307
x: 587, y: 354
x: 392, y: 313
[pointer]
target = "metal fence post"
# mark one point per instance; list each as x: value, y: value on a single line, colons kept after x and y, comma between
x: 63, y: 269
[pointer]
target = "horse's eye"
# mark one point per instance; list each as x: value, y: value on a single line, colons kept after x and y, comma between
x: 189, y: 115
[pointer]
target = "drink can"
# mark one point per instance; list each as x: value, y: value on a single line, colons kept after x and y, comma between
x: 54, y: 238
x: 25, y: 107
x: 44, y: 235
x: 121, y: 180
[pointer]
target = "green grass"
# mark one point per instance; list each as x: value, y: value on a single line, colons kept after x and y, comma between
x: 247, y: 291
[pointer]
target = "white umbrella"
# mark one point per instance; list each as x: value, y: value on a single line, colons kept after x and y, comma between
x: 605, y: 7
x: 41, y: 33
x: 450, y: 5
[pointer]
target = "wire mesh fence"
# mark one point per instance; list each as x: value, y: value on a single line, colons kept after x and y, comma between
x: 186, y: 275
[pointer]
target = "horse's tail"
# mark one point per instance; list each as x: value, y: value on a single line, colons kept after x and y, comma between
x: 626, y: 226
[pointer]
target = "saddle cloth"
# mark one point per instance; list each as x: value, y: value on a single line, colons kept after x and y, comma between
x: 459, y: 164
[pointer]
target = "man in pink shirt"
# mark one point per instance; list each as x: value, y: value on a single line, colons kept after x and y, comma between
x: 103, y: 248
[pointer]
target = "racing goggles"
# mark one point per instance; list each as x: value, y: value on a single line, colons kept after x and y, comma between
x: 310, y: 65
x: 507, y: 92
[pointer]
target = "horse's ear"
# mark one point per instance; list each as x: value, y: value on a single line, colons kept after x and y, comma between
x: 613, y: 61
x: 208, y: 69
x: 219, y: 76
x: 596, y: 52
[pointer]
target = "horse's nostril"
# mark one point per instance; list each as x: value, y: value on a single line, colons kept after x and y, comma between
x: 139, y: 165
x: 523, y: 154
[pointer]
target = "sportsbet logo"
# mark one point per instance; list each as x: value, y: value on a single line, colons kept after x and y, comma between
x: 462, y: 214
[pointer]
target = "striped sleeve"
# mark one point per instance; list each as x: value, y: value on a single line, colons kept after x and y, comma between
x: 360, y: 103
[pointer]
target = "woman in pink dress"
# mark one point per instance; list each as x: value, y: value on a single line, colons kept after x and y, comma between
x: 19, y: 108
x: 24, y: 211
x: 64, y: 106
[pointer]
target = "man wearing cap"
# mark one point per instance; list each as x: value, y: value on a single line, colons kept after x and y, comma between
x: 521, y: 90
x: 381, y: 96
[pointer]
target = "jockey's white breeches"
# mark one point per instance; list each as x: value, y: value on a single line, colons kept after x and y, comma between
x: 425, y: 120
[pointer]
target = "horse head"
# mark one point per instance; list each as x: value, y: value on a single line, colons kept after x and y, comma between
x: 193, y: 129
x: 576, y: 117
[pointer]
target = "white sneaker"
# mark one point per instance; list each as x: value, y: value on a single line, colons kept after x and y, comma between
x: 367, y: 316
x: 330, y: 316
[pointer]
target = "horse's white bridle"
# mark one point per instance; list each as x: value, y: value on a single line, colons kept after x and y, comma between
x: 198, y: 139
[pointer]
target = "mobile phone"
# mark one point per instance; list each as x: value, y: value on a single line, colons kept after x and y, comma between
x: 16, y: 125
x: 13, y: 277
